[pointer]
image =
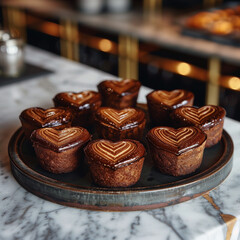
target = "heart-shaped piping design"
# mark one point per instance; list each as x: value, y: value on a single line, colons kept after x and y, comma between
x: 113, y: 151
x: 118, y: 117
x: 78, y: 98
x: 176, y: 140
x: 169, y: 98
x: 174, y: 137
x: 122, y: 86
x: 44, y: 116
x: 198, y: 115
x: 60, y: 137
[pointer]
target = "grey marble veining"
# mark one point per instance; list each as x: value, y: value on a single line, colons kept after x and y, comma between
x: 26, y: 216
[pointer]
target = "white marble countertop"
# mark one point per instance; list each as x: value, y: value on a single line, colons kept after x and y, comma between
x: 25, y: 216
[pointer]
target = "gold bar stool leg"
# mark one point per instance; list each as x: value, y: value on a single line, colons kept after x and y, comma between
x: 69, y: 53
x: 128, y: 57
x: 69, y: 40
x: 20, y: 22
x: 213, y: 87
x: 15, y: 21
x: 63, y: 46
x: 68, y: 48
x: 134, y: 50
x: 152, y: 10
x: 75, y: 42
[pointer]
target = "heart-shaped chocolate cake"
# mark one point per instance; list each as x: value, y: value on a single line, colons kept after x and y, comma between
x: 115, y: 164
x: 114, y: 124
x: 208, y: 118
x: 121, y: 87
x: 59, y: 150
x: 178, y: 140
x: 84, y: 104
x: 78, y: 100
x: 177, y: 151
x: 161, y: 103
x: 60, y: 140
x: 174, y: 99
x: 119, y: 94
x: 118, y: 117
x: 34, y: 118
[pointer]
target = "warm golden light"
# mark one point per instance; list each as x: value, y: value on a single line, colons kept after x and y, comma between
x: 183, y: 68
x: 105, y: 45
x: 234, y: 83
x: 50, y: 28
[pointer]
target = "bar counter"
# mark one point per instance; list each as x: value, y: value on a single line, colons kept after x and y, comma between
x: 215, y: 215
x: 164, y: 31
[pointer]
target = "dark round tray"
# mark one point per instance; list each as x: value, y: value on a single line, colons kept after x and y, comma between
x: 153, y: 190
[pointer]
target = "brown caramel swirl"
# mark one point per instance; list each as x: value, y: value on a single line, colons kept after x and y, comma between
x: 46, y: 117
x: 113, y: 152
x: 204, y: 116
x: 120, y: 118
x: 60, y: 140
x: 176, y: 140
x: 172, y: 98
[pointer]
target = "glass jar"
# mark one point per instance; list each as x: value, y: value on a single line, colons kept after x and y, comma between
x: 11, y: 55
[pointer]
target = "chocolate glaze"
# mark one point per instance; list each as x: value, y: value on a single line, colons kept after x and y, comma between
x: 60, y: 140
x: 114, y: 155
x: 120, y: 119
x: 51, y: 117
x: 205, y: 117
x: 161, y: 103
x: 124, y: 87
x: 176, y: 141
x: 171, y: 99
x: 78, y: 101
x: 119, y: 94
x: 83, y: 105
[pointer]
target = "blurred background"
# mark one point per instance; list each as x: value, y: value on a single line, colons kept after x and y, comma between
x: 193, y: 45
